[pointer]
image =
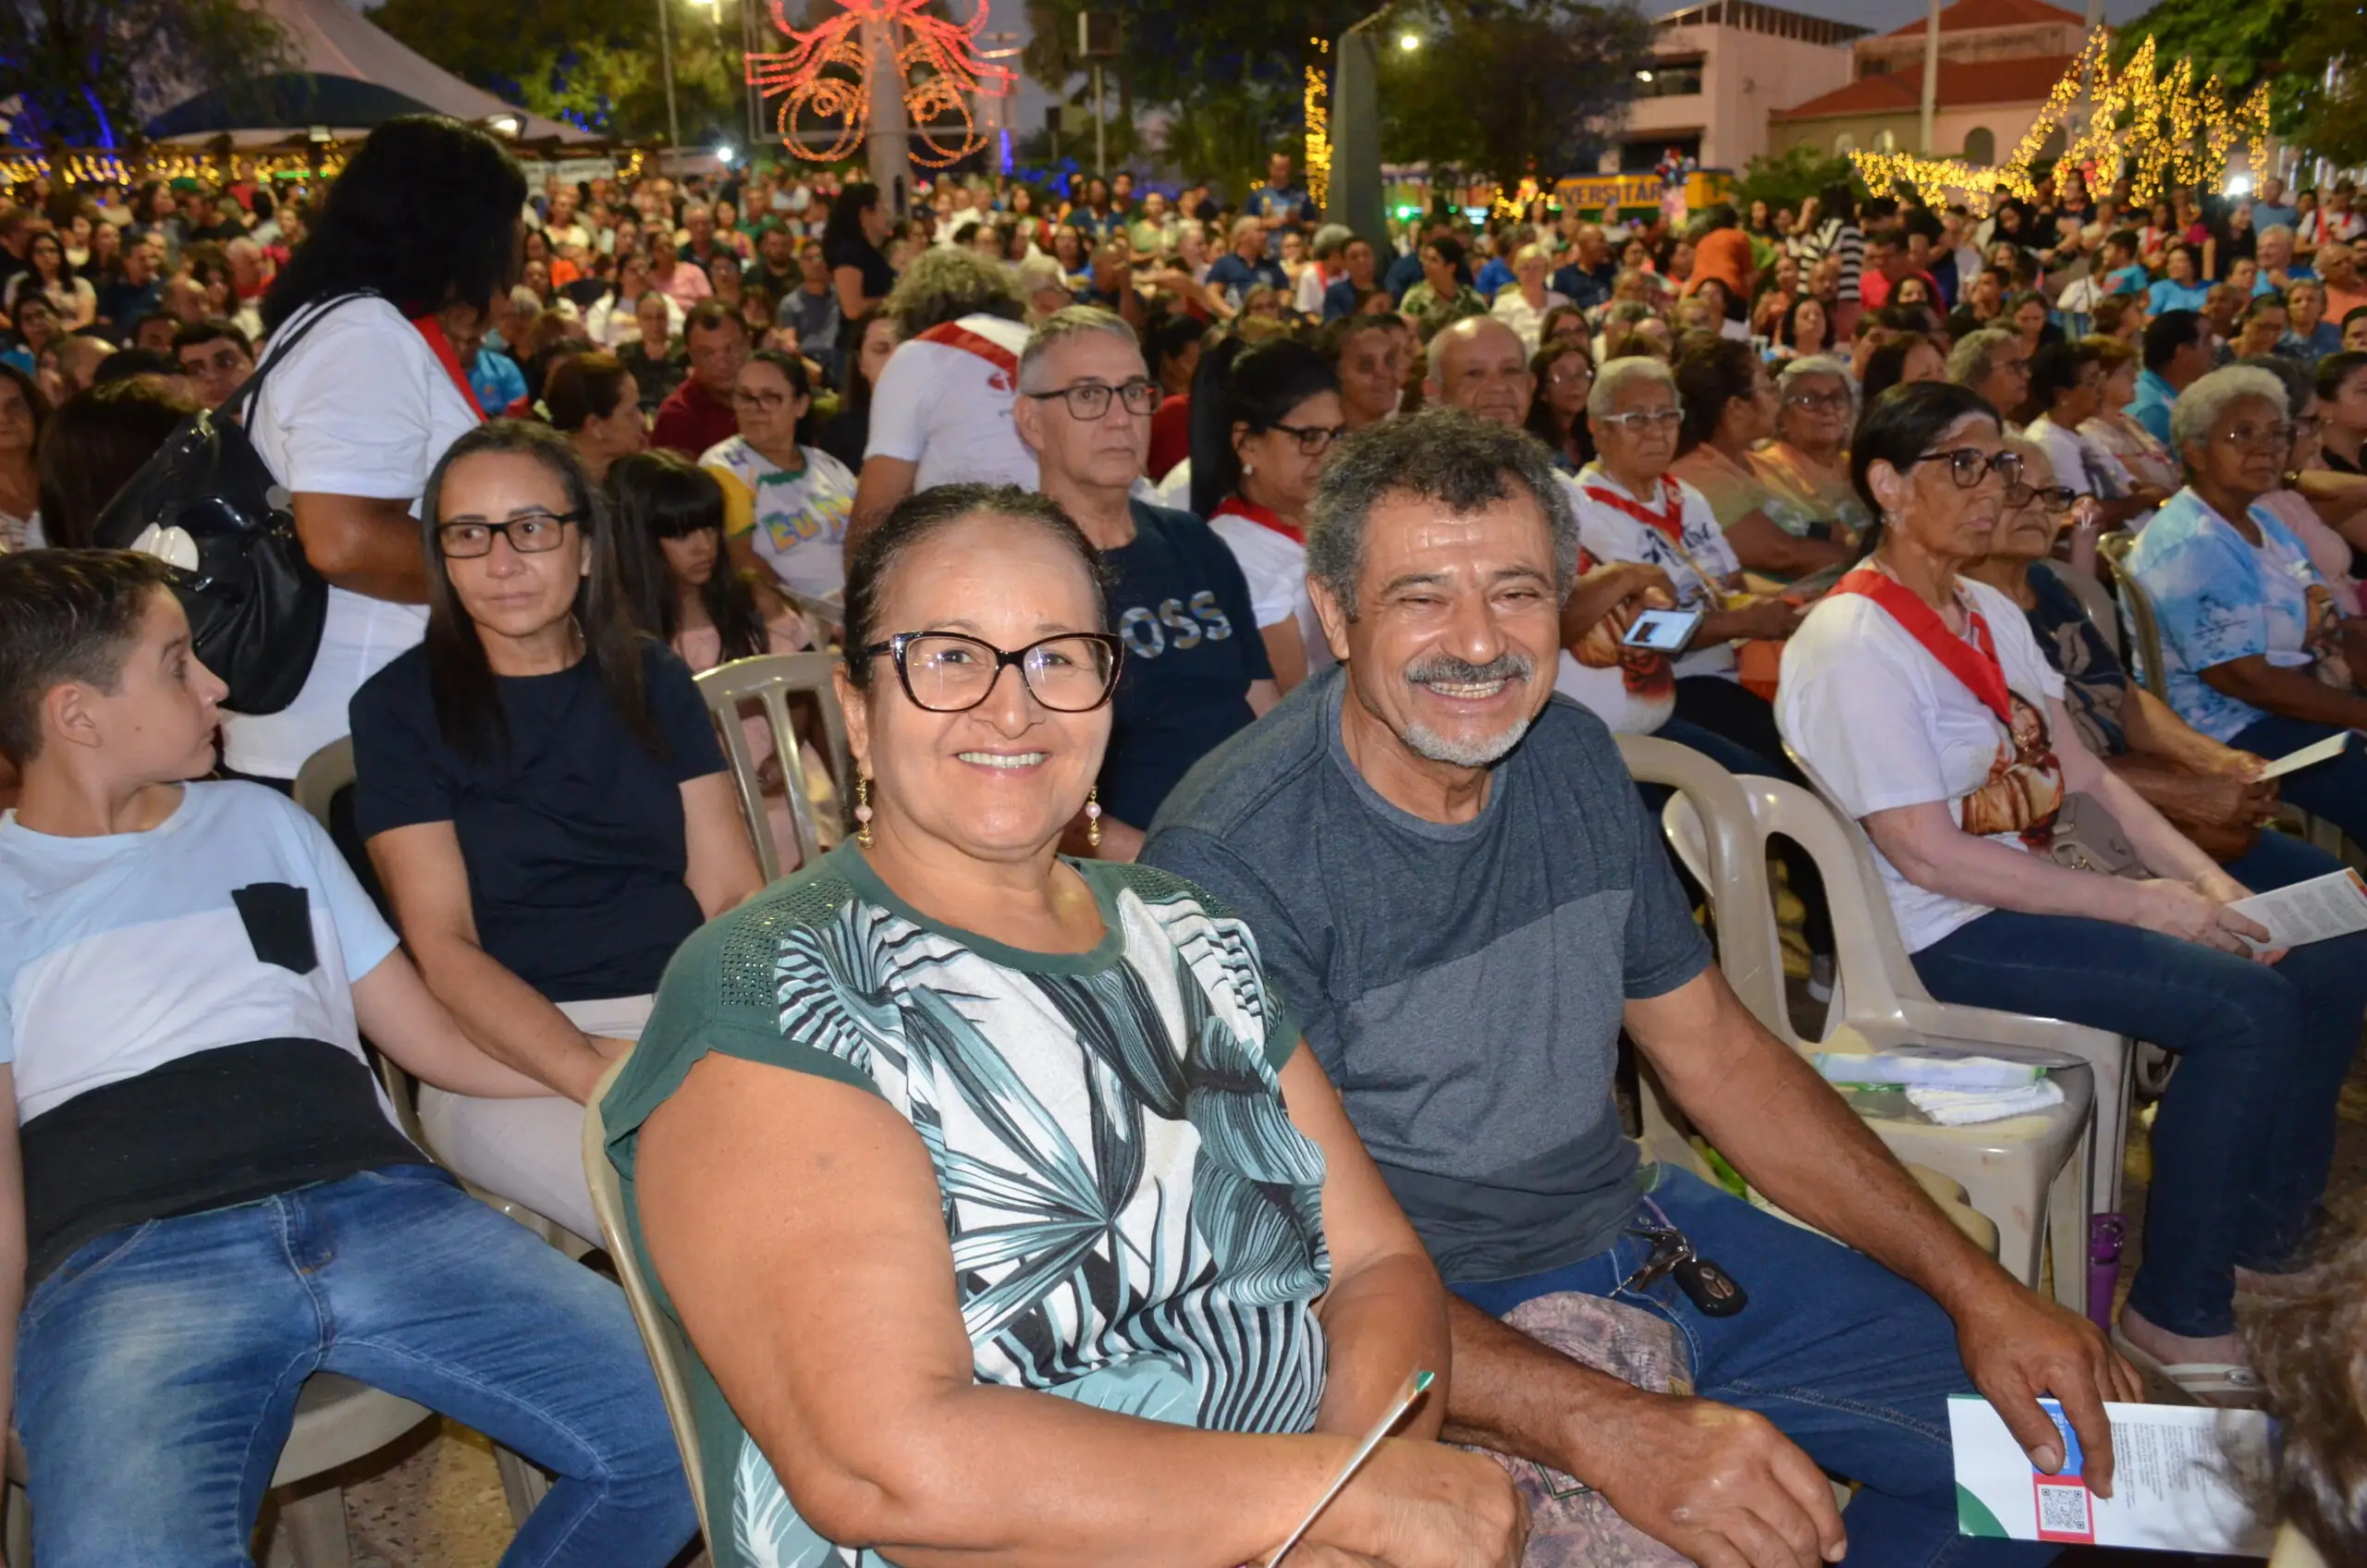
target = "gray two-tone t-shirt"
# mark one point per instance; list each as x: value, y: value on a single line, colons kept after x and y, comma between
x: 1462, y: 983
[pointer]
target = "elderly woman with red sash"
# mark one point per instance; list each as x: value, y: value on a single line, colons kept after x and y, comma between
x: 1632, y: 510
x: 1923, y: 705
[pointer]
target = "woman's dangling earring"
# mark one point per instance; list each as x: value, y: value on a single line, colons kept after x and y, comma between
x: 863, y: 811
x: 1093, y: 817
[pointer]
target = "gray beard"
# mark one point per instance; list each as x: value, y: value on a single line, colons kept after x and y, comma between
x: 1486, y: 752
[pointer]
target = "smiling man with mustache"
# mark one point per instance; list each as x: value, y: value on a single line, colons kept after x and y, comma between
x: 1448, y: 871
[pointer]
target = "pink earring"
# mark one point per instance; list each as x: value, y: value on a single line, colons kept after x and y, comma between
x: 1093, y: 817
x: 862, y: 811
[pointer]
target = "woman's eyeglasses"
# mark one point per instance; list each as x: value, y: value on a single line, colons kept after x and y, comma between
x: 2267, y: 435
x: 530, y: 533
x: 1969, y: 465
x: 2053, y: 499
x: 947, y: 672
x: 1819, y: 402
x: 762, y: 402
x: 1314, y: 440
x: 1090, y: 399
x: 1644, y: 421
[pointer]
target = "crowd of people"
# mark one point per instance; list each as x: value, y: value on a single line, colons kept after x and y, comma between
x: 1218, y: 1013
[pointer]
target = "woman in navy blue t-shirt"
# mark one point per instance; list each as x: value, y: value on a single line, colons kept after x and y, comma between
x: 542, y: 795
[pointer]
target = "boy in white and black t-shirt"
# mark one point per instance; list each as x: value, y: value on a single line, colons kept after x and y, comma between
x: 203, y: 1198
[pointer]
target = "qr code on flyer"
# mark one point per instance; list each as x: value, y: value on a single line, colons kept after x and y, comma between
x: 2064, y: 1513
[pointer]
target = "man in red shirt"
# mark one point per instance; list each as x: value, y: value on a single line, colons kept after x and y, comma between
x: 698, y: 413
x: 1887, y: 266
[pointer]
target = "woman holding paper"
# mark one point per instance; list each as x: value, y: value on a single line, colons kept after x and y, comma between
x: 2254, y: 647
x: 1922, y: 704
x: 1007, y: 1216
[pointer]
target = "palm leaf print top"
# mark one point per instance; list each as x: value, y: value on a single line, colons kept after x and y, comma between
x: 1134, y: 1221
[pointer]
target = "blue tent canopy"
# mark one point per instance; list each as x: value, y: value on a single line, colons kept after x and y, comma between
x: 285, y: 100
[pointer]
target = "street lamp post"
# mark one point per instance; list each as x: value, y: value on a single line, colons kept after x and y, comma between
x: 665, y: 58
x: 1353, y: 198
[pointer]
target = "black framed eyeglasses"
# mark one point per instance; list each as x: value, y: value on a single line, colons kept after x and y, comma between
x: 1969, y: 465
x: 1314, y: 440
x: 1090, y: 399
x: 948, y: 672
x: 2053, y: 499
x: 530, y: 533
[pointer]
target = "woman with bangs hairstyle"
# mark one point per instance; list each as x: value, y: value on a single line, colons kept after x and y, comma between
x: 1265, y: 421
x: 541, y: 793
x: 1919, y: 701
x: 682, y: 587
x: 786, y: 504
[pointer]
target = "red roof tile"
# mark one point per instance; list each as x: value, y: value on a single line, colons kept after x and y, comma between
x: 1964, y: 15
x: 1963, y: 85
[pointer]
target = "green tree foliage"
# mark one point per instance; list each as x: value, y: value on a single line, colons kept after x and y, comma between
x: 85, y: 69
x: 594, y: 63
x: 1788, y: 179
x: 2289, y: 44
x: 1508, y: 88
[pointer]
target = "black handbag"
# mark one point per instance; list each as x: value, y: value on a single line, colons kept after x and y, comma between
x: 207, y: 504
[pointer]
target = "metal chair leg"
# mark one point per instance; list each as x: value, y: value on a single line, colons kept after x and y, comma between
x: 523, y: 1482
x: 315, y: 1525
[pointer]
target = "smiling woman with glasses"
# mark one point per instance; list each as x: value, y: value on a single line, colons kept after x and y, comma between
x: 2027, y: 876
x: 541, y: 793
x: 2258, y: 652
x: 961, y: 1158
x: 1807, y: 463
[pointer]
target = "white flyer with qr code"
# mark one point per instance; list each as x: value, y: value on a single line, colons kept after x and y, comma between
x: 2185, y: 1478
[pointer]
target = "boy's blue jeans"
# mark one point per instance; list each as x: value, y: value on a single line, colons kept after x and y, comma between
x: 157, y: 1370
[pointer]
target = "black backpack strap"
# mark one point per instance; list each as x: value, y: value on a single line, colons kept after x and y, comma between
x: 242, y: 397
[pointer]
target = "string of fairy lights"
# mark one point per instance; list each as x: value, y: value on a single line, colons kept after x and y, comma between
x: 2148, y: 121
x: 1315, y: 103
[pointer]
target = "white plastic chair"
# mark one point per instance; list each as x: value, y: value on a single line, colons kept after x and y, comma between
x: 668, y: 1351
x: 2095, y: 599
x: 771, y: 682
x: 2029, y: 1174
x: 1904, y: 1003
x: 1749, y: 954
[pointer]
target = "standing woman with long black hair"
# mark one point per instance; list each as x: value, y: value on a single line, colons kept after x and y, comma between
x: 858, y: 227
x: 423, y: 220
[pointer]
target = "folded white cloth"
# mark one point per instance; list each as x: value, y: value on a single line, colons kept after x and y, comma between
x: 1961, y: 1108
x: 1936, y: 1066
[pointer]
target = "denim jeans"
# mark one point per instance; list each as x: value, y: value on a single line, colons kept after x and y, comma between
x: 2336, y: 791
x: 1848, y: 1360
x: 157, y: 1370
x: 2243, y: 1139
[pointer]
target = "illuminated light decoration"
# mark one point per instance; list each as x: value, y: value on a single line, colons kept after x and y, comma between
x: 1517, y: 203
x: 825, y: 81
x: 2175, y: 132
x: 1318, y: 131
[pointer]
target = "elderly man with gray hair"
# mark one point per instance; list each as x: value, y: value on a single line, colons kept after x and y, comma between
x: 1450, y: 872
x: 1992, y: 363
x: 1197, y: 670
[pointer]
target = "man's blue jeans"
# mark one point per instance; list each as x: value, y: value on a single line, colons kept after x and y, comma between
x: 157, y: 1370
x: 1848, y: 1360
x: 2244, y: 1138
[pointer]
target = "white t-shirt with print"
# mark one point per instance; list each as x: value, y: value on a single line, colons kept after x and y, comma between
x: 1610, y: 534
x: 800, y: 520
x: 1275, y: 565
x: 361, y: 407
x: 948, y: 408
x: 1881, y: 723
